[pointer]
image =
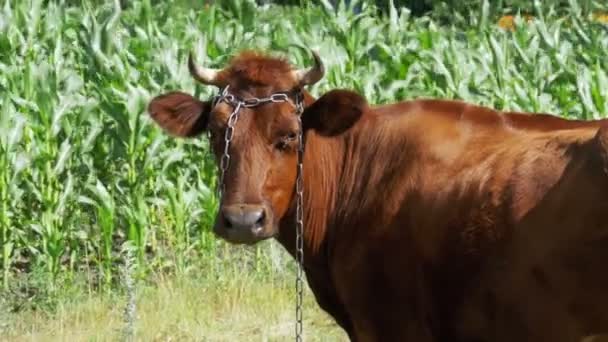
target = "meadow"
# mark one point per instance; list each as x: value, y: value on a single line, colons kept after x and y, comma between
x: 105, y: 220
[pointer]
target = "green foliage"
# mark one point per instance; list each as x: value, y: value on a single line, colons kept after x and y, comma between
x: 83, y: 169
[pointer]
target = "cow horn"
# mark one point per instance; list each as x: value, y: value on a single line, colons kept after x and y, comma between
x: 204, y: 75
x: 310, y: 76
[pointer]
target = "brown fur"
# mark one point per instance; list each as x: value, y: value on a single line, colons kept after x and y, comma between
x: 251, y: 69
x: 432, y: 220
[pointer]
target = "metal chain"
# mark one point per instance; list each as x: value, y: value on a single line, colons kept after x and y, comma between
x: 299, y: 221
x: 225, y: 163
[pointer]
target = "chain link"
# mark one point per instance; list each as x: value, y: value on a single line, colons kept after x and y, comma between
x: 279, y: 97
x: 228, y: 134
x: 225, y: 160
x: 225, y: 163
x: 299, y: 221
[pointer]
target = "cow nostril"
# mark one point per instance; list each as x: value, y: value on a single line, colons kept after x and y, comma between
x: 245, y: 217
x: 260, y: 221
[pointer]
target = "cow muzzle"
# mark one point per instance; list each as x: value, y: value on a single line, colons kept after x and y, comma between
x: 244, y: 223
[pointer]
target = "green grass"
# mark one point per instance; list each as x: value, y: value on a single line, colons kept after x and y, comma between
x: 180, y: 309
x: 84, y: 171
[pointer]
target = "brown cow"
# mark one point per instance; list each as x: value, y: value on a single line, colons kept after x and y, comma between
x: 425, y: 220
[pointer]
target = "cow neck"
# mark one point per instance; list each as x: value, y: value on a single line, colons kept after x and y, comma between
x: 322, y: 167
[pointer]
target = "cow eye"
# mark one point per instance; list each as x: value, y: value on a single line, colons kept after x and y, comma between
x: 286, y: 141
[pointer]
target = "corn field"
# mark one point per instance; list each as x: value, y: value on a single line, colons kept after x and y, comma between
x: 84, y: 173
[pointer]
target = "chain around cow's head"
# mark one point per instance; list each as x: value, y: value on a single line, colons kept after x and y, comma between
x: 238, y: 103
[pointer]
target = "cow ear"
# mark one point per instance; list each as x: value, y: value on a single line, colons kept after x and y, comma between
x: 334, y: 112
x: 180, y: 114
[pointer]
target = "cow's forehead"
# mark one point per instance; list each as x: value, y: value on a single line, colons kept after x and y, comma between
x: 258, y: 73
x: 250, y: 75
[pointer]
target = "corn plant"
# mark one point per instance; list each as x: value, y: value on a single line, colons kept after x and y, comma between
x: 84, y: 171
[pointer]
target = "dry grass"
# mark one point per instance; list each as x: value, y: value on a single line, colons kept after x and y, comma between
x: 183, y: 310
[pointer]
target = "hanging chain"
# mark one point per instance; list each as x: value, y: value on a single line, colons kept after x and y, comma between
x: 225, y: 163
x: 228, y: 134
x: 299, y: 221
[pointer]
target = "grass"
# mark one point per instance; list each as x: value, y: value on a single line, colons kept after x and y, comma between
x: 182, y: 309
x: 84, y: 172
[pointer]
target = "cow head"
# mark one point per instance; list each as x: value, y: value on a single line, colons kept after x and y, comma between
x: 260, y: 180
